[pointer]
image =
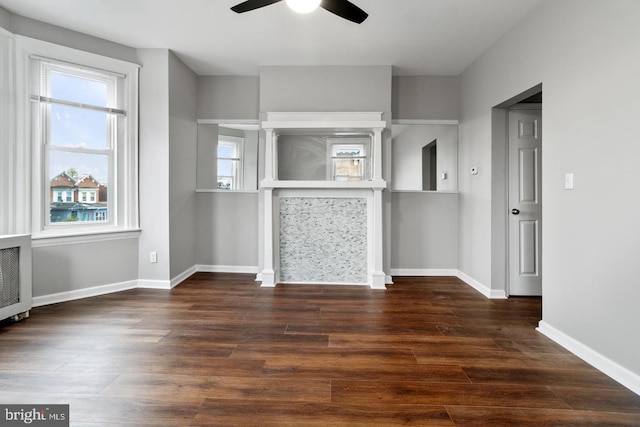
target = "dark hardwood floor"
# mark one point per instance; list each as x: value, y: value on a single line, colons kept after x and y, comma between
x: 218, y: 350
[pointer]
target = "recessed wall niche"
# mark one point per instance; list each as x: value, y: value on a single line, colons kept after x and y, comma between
x: 324, y: 157
x: 227, y: 157
x: 424, y: 157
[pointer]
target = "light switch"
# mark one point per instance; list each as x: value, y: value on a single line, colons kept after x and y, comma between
x: 444, y: 176
x: 568, y: 181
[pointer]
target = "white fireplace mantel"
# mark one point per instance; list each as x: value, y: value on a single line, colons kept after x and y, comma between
x: 356, y: 204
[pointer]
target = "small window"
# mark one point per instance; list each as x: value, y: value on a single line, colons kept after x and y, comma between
x: 349, y: 159
x: 230, y: 163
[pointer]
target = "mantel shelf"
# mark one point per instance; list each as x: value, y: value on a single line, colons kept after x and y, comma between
x: 372, y: 185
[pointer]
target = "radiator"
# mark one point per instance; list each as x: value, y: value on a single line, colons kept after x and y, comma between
x: 15, y: 276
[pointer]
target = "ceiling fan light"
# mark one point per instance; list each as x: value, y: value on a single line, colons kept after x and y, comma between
x: 303, y: 6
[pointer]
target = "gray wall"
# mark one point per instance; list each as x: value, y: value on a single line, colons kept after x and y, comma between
x: 424, y: 230
x: 226, y: 224
x: 325, y: 88
x: 5, y: 19
x: 228, y: 97
x: 183, y: 137
x: 583, y: 54
x: 71, y: 267
x: 206, y: 167
x: 64, y: 37
x: 426, y: 97
x: 154, y: 163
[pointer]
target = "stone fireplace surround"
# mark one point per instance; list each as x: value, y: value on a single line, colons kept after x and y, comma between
x: 322, y: 232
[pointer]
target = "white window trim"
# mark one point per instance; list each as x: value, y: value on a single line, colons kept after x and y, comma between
x: 238, y: 142
x: 9, y: 160
x: 363, y: 141
x: 125, y: 215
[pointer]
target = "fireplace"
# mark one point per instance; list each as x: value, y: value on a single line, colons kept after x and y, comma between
x: 322, y: 199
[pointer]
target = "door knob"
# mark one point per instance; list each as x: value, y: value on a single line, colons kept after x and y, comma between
x: 515, y: 211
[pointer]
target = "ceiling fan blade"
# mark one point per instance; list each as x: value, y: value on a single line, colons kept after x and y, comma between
x: 252, y: 5
x: 345, y: 9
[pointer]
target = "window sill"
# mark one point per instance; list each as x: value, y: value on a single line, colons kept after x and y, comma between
x: 87, y: 237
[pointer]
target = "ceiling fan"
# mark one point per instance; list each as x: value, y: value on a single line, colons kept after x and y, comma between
x: 343, y: 8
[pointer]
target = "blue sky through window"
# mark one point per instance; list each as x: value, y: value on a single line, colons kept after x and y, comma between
x: 77, y: 127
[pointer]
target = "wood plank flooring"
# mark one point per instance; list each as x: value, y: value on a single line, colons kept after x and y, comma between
x: 218, y: 350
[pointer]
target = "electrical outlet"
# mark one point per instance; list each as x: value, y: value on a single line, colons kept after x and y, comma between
x: 153, y: 257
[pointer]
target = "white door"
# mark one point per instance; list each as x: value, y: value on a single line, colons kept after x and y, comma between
x: 525, y: 202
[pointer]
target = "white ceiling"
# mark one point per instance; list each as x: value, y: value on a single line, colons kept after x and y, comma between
x: 416, y: 37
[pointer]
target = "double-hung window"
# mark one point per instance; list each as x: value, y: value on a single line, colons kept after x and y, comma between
x: 79, y: 124
x: 84, y: 128
x: 230, y: 162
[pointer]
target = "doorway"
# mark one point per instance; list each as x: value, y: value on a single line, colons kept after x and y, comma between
x: 430, y: 166
x: 529, y: 265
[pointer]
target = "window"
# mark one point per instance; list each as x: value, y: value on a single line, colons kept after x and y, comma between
x: 79, y: 123
x: 230, y: 162
x: 349, y: 159
x: 84, y: 129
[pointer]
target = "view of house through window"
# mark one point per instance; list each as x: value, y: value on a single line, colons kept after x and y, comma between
x: 78, y: 129
x: 348, y: 161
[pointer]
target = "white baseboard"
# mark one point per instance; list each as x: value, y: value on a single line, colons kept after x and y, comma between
x: 423, y: 272
x: 83, y: 293
x: 154, y: 284
x: 483, y: 289
x: 183, y: 276
x: 607, y: 366
x: 429, y: 272
x: 321, y: 283
x: 170, y: 284
x: 248, y: 269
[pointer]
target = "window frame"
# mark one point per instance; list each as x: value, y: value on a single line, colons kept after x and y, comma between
x: 111, y: 81
x: 123, y: 213
x: 238, y: 167
x: 360, y: 141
